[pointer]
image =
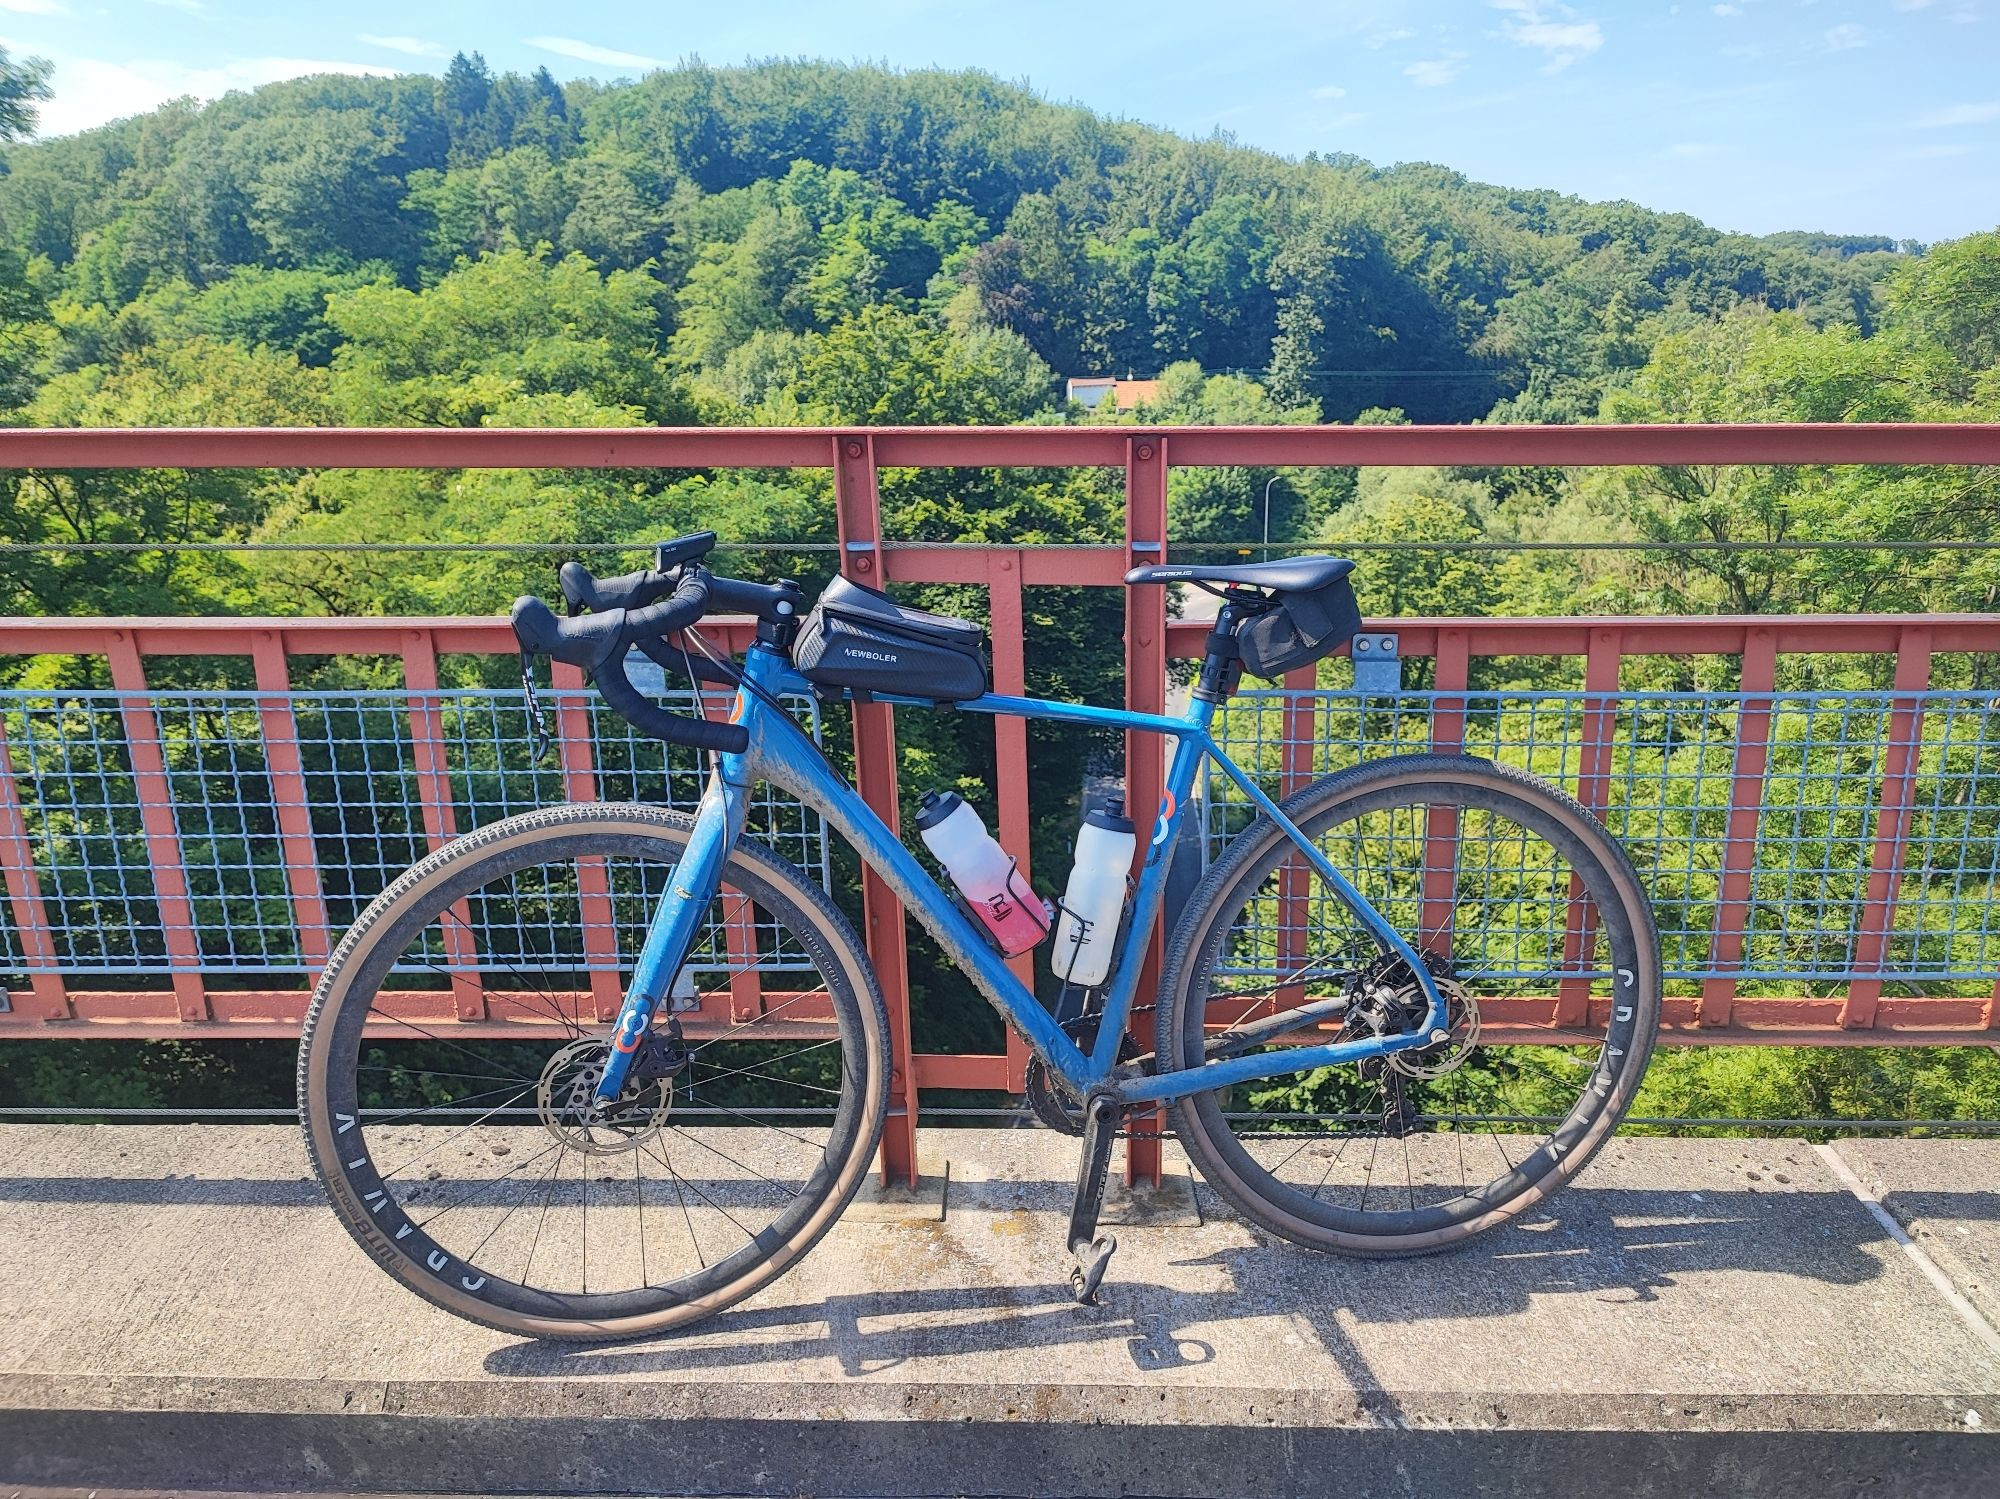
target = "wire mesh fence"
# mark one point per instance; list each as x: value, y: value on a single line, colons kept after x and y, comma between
x: 83, y: 811
x: 1665, y: 777
x: 1663, y: 769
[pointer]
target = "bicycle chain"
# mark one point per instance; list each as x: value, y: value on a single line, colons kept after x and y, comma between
x: 1054, y: 1098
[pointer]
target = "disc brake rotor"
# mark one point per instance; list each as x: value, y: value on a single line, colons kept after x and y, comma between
x: 566, y: 1098
x: 1441, y: 1057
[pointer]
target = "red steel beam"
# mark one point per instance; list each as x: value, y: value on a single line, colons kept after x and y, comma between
x: 24, y: 896
x: 1439, y: 903
x: 1643, y: 635
x: 434, y: 802
x: 593, y: 876
x: 1746, y: 810
x: 1008, y: 622
x: 1145, y: 775
x: 858, y: 503
x: 1295, y: 768
x: 1892, y: 826
x: 972, y: 447
x: 286, y: 770
x: 154, y: 789
x: 1593, y: 790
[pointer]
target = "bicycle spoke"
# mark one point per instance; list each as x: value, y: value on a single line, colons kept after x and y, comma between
x: 1498, y: 917
x: 562, y: 1206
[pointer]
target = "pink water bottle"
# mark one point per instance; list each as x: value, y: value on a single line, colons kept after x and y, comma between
x: 984, y: 872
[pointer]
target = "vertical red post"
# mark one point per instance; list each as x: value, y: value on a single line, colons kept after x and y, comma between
x: 1145, y: 692
x: 1295, y: 769
x: 858, y: 504
x: 24, y: 898
x: 1892, y: 825
x: 1739, y: 848
x: 156, y: 817
x: 1440, y: 885
x: 420, y: 677
x: 593, y: 877
x: 739, y: 927
x: 286, y: 770
x: 1593, y: 789
x: 1008, y: 623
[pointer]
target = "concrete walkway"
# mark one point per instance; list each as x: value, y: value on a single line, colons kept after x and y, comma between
x: 181, y: 1310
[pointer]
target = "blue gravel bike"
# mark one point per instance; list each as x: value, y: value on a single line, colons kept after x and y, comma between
x: 601, y: 1070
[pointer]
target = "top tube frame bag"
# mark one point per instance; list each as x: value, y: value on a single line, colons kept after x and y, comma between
x: 860, y: 639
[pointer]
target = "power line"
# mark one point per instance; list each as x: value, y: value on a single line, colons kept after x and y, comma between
x: 634, y: 548
x: 539, y: 548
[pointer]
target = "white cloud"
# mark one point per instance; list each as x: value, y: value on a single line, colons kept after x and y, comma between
x: 90, y: 91
x: 410, y: 46
x: 1726, y: 10
x: 1384, y: 38
x: 1914, y: 4
x: 1962, y: 114
x: 1550, y: 28
x: 611, y: 57
x: 1846, y: 37
x: 35, y: 7
x: 1331, y: 91
x: 1435, y: 72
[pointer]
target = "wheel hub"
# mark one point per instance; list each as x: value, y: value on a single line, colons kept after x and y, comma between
x: 566, y: 1098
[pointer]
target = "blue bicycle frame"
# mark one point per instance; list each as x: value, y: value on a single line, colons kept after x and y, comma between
x: 779, y: 751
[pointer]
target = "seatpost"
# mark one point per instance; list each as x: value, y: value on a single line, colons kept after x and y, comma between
x: 1222, y: 660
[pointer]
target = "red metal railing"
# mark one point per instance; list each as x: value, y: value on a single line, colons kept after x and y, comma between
x: 50, y: 1006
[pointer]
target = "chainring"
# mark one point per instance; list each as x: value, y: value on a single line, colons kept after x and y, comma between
x: 1054, y: 1110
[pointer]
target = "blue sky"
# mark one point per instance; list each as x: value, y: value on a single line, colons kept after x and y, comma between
x: 1858, y: 116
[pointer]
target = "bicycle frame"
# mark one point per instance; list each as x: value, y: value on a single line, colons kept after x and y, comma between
x: 779, y: 751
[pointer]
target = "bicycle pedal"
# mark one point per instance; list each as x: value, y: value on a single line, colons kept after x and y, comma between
x: 1088, y: 1272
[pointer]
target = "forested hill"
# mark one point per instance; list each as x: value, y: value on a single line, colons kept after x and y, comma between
x: 778, y: 199
x: 801, y: 242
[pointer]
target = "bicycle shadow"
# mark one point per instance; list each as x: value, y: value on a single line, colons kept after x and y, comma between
x: 1612, y: 1244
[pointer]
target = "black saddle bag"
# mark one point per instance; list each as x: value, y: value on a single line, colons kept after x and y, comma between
x: 862, y: 640
x: 1303, y: 628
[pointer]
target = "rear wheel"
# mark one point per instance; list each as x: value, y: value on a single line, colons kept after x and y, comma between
x: 450, y: 1056
x: 1534, y: 924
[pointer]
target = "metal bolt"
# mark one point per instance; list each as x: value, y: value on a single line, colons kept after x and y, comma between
x: 855, y: 450
x: 1440, y: 1037
x: 1144, y: 452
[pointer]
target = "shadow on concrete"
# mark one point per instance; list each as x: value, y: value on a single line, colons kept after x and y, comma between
x: 1610, y: 1244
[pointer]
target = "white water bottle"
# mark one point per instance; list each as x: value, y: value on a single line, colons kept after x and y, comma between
x: 984, y: 872
x: 1095, y: 898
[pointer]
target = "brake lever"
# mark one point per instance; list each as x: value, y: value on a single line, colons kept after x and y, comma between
x: 541, y: 739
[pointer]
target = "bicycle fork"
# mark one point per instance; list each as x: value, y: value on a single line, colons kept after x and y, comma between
x: 691, y: 890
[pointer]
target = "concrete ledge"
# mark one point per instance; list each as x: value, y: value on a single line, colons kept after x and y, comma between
x: 178, y: 1310
x: 917, y: 1458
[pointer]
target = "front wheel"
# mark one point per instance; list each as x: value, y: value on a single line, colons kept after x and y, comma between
x: 1532, y: 921
x: 450, y: 1055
